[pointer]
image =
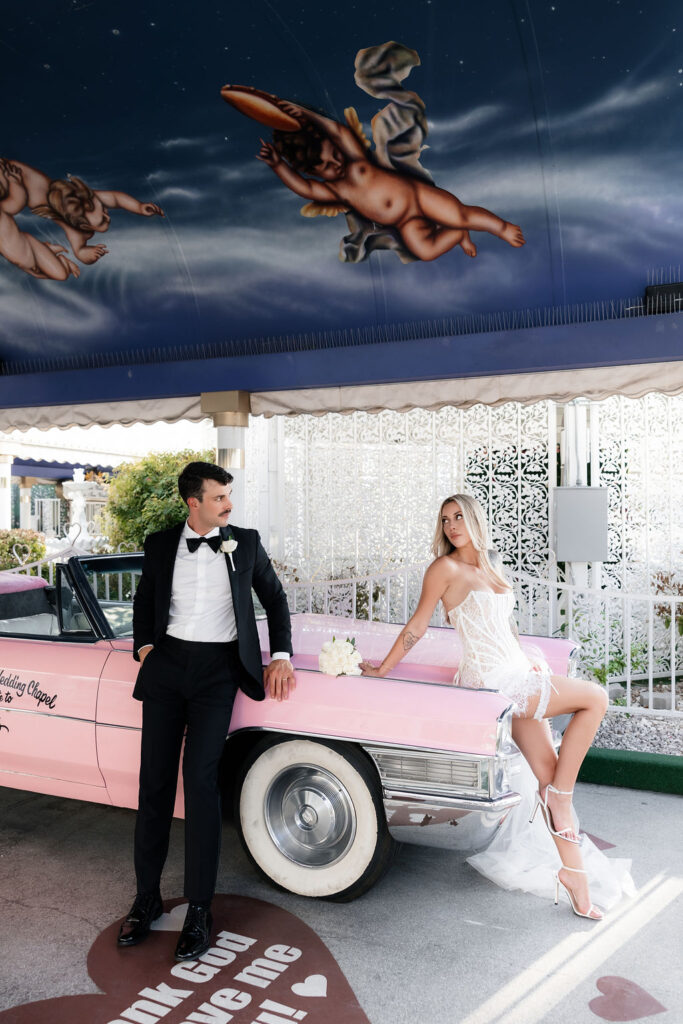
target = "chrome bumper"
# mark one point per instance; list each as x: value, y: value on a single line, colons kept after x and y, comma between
x: 456, y: 823
x: 434, y: 798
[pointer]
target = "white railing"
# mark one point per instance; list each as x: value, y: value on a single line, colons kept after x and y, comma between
x: 630, y: 642
x: 94, y: 510
x: 47, y: 515
x: 633, y: 642
x: 381, y: 596
x: 45, y: 567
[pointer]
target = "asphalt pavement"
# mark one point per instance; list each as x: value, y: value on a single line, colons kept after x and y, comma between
x: 433, y: 941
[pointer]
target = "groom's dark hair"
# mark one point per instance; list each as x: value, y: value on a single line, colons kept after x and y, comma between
x: 191, y: 480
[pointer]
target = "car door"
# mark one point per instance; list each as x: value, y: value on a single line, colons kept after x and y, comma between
x: 50, y: 666
x: 108, y: 584
x: 119, y: 725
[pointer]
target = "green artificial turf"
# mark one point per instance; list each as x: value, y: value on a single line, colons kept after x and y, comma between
x: 633, y: 769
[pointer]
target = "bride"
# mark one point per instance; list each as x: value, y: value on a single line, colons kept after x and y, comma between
x: 478, y: 602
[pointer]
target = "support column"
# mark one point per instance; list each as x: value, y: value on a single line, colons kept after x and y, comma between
x: 276, y: 488
x: 575, y: 470
x: 6, y: 491
x: 230, y: 413
x: 568, y: 447
x: 594, y: 459
x: 25, y: 484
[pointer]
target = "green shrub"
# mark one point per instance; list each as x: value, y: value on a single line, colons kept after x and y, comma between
x: 617, y: 663
x: 143, y: 496
x: 30, y: 546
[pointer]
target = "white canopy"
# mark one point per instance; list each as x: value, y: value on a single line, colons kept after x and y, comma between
x: 559, y: 385
x: 596, y: 383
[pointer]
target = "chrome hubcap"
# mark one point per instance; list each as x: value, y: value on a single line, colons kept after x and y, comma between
x: 310, y: 815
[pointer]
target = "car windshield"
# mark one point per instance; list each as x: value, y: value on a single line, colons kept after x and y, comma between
x: 113, y: 580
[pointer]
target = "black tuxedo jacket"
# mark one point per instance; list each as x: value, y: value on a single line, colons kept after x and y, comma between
x: 252, y: 569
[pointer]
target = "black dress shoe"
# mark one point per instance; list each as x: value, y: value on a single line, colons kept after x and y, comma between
x: 146, y: 908
x: 194, y: 938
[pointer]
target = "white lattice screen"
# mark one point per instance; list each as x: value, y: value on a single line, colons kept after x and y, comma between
x: 641, y: 461
x: 365, y: 488
x: 358, y: 495
x: 360, y: 492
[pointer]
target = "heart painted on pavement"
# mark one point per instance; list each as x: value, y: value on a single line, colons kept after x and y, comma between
x: 172, y: 922
x: 623, y: 1000
x: 263, y: 962
x: 314, y: 985
x: 601, y: 844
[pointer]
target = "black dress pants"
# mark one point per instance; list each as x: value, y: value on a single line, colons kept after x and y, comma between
x: 188, y: 688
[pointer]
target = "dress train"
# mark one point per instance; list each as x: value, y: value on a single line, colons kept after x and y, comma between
x: 524, y: 856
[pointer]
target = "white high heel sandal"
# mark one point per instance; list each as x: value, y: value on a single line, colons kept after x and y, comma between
x: 542, y: 802
x: 559, y: 882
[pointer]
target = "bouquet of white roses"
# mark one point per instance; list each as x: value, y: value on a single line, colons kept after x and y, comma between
x: 340, y: 658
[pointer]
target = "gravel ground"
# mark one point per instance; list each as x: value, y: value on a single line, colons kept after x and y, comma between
x: 653, y: 734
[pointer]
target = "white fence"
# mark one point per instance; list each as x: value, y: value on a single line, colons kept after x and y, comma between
x: 46, y: 566
x: 47, y: 515
x: 630, y: 642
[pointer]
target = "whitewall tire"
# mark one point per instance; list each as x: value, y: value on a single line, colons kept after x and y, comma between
x: 311, y: 818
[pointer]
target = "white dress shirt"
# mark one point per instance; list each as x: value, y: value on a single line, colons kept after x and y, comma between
x: 201, y: 598
x: 201, y: 607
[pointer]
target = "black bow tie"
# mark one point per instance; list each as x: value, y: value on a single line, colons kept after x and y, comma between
x: 213, y: 542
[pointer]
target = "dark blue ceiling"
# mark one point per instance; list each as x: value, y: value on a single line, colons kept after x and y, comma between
x: 561, y: 117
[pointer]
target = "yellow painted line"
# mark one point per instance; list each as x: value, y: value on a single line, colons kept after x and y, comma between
x: 535, y: 991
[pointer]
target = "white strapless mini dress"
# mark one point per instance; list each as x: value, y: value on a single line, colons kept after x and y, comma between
x: 491, y: 655
x: 522, y: 855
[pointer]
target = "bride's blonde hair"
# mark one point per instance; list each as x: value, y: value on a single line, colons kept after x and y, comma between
x: 477, y: 527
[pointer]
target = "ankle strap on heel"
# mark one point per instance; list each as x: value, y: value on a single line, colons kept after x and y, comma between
x: 579, y: 871
x: 561, y: 792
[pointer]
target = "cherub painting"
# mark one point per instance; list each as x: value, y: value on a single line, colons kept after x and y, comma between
x: 390, y: 200
x: 79, y: 211
x: 30, y: 254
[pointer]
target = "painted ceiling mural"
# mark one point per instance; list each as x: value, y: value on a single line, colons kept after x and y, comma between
x: 177, y: 177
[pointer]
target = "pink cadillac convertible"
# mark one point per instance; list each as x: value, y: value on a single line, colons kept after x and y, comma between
x: 322, y: 785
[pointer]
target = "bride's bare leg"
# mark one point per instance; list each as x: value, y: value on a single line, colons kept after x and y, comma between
x: 587, y: 703
x: 534, y: 740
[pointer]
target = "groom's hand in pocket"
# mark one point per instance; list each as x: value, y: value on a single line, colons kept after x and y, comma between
x: 279, y: 679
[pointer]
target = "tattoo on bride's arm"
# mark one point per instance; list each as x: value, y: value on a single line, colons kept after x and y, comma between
x: 409, y: 640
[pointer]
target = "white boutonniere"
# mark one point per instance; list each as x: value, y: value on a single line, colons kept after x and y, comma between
x: 227, y: 547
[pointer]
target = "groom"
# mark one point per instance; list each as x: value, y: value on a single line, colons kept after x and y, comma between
x: 195, y: 637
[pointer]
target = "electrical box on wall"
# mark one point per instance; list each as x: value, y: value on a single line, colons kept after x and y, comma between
x: 580, y: 515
